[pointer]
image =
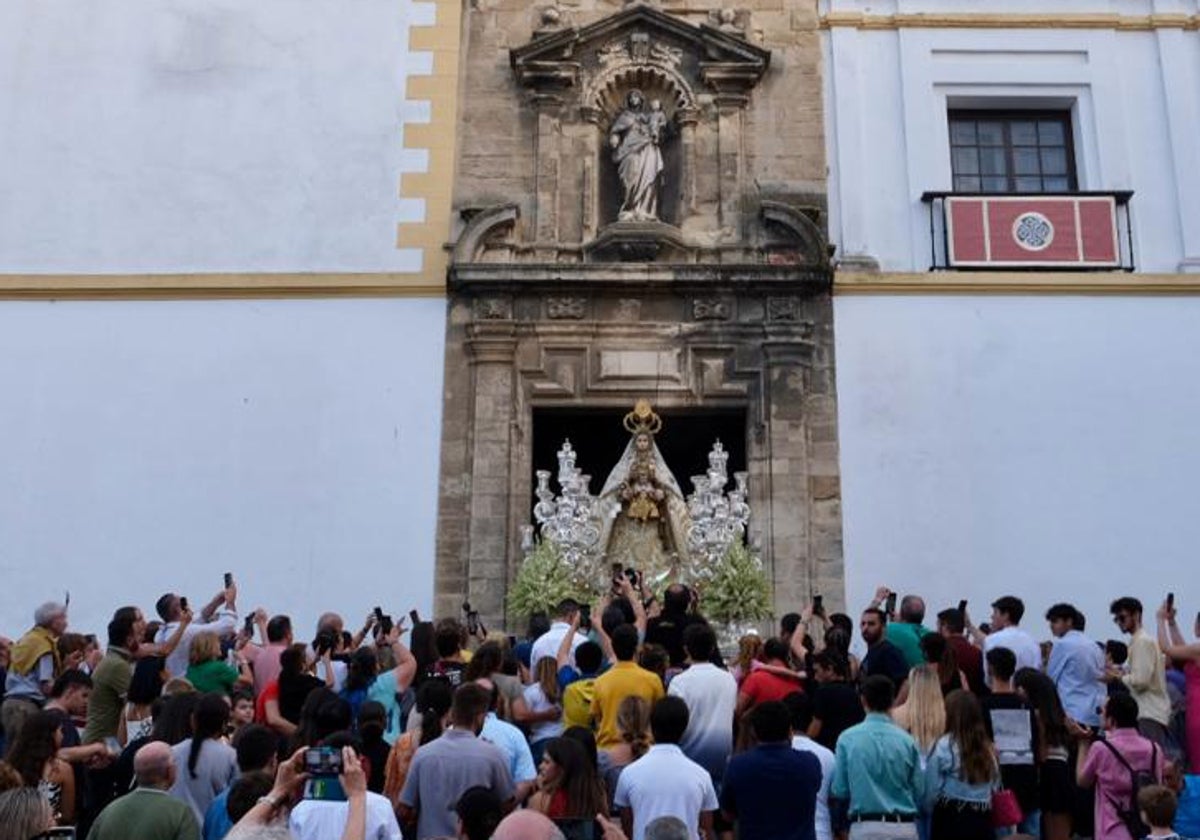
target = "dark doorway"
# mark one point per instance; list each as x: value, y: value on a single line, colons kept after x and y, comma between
x: 599, y: 438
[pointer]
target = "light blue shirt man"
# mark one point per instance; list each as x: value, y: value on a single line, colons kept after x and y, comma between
x: 1077, y: 668
x: 878, y: 769
x: 513, y: 745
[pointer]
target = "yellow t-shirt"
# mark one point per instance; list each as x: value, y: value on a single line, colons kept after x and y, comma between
x: 620, y: 681
x: 577, y: 702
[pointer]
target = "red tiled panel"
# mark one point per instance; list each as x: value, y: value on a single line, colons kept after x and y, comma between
x: 1099, y: 230
x: 1005, y: 248
x: 966, y: 229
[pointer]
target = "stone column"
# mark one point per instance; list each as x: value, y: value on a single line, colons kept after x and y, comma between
x: 729, y: 161
x: 546, y: 172
x: 786, y: 358
x: 687, y: 118
x: 491, y: 346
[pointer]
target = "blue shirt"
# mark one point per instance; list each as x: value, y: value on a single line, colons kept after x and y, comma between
x: 513, y: 745
x: 1077, y: 667
x: 216, y: 819
x: 878, y: 768
x: 772, y: 791
x: 1187, y: 818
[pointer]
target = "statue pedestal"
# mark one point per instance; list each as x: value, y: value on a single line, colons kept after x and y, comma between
x: 637, y: 241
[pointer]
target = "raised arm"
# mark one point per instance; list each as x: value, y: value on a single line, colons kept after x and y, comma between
x: 406, y: 664
x: 1170, y: 639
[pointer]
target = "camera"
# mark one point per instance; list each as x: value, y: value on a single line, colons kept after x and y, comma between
x: 323, y: 761
x: 326, y: 641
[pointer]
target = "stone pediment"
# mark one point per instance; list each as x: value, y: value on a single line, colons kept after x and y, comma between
x: 640, y: 35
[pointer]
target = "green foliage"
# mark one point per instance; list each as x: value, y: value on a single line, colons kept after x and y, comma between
x: 543, y: 580
x: 738, y: 590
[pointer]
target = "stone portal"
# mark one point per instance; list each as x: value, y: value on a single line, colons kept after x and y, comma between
x: 720, y: 302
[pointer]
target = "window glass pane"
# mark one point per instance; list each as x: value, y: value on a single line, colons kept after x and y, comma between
x: 1023, y: 133
x: 995, y: 185
x: 1055, y: 184
x: 962, y: 133
x: 992, y: 162
x: 1050, y: 133
x: 1025, y: 161
x: 1054, y: 161
x: 1029, y: 185
x: 991, y: 134
x: 967, y: 183
x: 966, y: 162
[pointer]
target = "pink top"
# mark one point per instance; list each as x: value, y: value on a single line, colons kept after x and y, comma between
x: 265, y: 662
x: 1112, y: 779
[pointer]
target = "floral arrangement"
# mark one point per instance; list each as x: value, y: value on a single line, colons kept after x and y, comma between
x: 737, y: 590
x: 544, y: 580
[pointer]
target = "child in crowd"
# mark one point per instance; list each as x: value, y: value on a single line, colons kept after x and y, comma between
x: 1157, y: 805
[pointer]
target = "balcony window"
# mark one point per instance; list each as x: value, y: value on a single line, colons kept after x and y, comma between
x: 1012, y: 152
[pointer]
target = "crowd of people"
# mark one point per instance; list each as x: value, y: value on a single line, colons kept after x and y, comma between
x: 632, y: 726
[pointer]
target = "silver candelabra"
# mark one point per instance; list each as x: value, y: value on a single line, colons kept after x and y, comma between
x: 718, y: 518
x: 568, y: 520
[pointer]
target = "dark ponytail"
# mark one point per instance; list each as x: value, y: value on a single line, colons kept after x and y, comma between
x: 211, y: 716
x: 434, y: 698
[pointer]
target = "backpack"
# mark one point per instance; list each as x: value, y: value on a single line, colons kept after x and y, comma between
x: 1131, y: 816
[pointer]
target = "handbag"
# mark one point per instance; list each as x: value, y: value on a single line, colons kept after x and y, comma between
x: 1006, y: 810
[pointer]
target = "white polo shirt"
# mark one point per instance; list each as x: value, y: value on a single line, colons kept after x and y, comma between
x: 1024, y: 648
x: 547, y: 643
x: 828, y: 764
x: 711, y: 697
x: 665, y: 783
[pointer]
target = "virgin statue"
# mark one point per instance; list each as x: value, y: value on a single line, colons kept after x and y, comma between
x: 635, y: 136
x: 648, y: 522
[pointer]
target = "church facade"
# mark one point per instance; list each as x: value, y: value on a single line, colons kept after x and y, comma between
x: 309, y: 291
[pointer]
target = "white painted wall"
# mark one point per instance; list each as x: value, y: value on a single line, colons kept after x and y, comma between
x: 207, y: 135
x: 1046, y: 447
x: 1134, y: 98
x: 151, y: 446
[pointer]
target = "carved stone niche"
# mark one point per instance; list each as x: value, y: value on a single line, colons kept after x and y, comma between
x: 695, y: 78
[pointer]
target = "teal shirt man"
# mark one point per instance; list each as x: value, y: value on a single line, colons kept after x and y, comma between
x: 907, y: 637
x: 878, y: 768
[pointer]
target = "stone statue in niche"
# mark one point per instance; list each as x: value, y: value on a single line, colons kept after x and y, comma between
x: 636, y: 137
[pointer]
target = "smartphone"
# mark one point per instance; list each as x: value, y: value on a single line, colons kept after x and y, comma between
x: 962, y: 608
x: 183, y: 603
x: 1170, y: 600
x: 414, y: 618
x: 472, y: 618
x: 249, y: 627
x: 228, y: 579
x: 585, y: 617
x: 891, y: 604
x: 818, y: 605
x: 323, y: 761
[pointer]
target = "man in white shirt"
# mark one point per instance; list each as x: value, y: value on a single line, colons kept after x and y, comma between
x: 547, y: 644
x: 217, y: 616
x: 664, y: 782
x: 711, y: 697
x: 800, y: 709
x: 1007, y: 613
x: 1147, y: 679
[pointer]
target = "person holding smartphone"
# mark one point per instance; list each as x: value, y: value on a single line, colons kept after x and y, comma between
x: 218, y: 616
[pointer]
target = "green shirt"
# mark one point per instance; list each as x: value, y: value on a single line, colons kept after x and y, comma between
x: 213, y: 675
x: 146, y: 814
x: 878, y: 768
x: 110, y: 682
x: 907, y: 637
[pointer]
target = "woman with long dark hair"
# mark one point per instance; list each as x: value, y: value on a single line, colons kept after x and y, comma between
x: 296, y: 681
x: 962, y: 774
x: 145, y: 686
x: 207, y: 765
x: 1056, y: 784
x: 488, y: 663
x: 434, y: 699
x: 567, y: 784
x: 33, y: 753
